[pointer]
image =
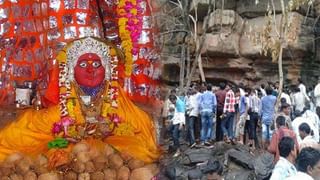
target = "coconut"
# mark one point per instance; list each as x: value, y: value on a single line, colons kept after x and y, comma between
x: 78, y: 167
x: 14, y: 158
x: 80, y: 147
x: 115, y: 161
x: 84, y: 176
x: 49, y: 176
x: 97, y: 175
x: 83, y: 157
x: 141, y: 174
x: 110, y: 174
x: 135, y: 163
x: 7, y: 168
x: 16, y: 177
x: 89, y: 167
x: 24, y: 165
x: 100, y: 162
x: 123, y: 173
x: 41, y: 160
x: 108, y: 150
x: 126, y: 157
x: 70, y: 175
x: 30, y: 175
x: 154, y: 168
x: 41, y: 170
x: 94, y: 152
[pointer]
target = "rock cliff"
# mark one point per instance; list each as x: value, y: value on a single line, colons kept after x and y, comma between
x: 230, y: 55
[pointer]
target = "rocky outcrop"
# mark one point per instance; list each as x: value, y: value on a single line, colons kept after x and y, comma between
x: 232, y: 53
x: 300, y: 35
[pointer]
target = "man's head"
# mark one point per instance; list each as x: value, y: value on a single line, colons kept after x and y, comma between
x: 269, y: 90
x: 236, y: 91
x: 222, y: 85
x: 285, y: 108
x: 308, y: 161
x: 304, y: 130
x: 173, y: 98
x: 89, y: 71
x: 173, y: 91
x: 280, y: 121
x: 287, y: 148
x: 209, y: 87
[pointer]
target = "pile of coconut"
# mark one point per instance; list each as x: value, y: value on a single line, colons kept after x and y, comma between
x: 84, y: 163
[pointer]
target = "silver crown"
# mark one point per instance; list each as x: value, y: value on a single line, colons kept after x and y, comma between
x: 88, y: 45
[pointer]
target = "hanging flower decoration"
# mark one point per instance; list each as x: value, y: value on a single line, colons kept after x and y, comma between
x: 130, y: 27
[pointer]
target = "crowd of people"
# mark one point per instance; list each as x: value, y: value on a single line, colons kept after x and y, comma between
x: 237, y: 114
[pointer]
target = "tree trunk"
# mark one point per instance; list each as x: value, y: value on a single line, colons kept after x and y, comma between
x: 182, y: 66
x: 199, y: 45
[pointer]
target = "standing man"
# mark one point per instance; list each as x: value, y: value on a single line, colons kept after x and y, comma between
x: 228, y: 115
x: 282, y: 131
x: 221, y: 96
x: 267, y: 114
x: 243, y: 110
x: 178, y: 120
x: 298, y: 100
x: 317, y: 93
x: 303, y: 89
x: 193, y: 108
x: 254, y: 113
x: 207, y: 108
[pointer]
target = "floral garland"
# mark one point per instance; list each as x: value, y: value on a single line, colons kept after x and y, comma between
x: 130, y: 28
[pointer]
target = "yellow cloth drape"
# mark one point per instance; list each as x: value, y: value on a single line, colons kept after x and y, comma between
x: 31, y: 132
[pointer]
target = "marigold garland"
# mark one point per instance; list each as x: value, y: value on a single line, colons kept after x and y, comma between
x: 130, y: 27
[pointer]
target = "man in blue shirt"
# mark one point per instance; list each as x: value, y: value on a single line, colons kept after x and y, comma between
x: 178, y: 121
x: 267, y: 115
x: 207, y: 109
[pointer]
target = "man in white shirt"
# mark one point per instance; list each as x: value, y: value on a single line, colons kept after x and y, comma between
x: 313, y: 119
x: 303, y: 89
x: 193, y: 112
x: 308, y: 165
x: 298, y: 100
x: 307, y: 139
x: 317, y: 93
x: 286, y: 96
x: 288, y: 153
x: 298, y: 121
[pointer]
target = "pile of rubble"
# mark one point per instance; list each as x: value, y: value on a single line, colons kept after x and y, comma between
x: 239, y: 163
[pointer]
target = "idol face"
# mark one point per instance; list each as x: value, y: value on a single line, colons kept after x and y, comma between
x: 89, y: 71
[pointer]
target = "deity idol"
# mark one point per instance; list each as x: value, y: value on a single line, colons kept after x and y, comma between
x: 90, y: 104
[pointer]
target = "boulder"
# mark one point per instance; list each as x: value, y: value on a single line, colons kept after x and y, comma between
x: 242, y: 157
x: 249, y: 8
x: 224, y: 21
x: 195, y: 174
x: 198, y: 155
x: 204, y: 4
x: 263, y: 165
x: 221, y: 45
x: 299, y: 37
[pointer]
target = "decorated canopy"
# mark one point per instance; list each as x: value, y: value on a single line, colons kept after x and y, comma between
x: 33, y: 32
